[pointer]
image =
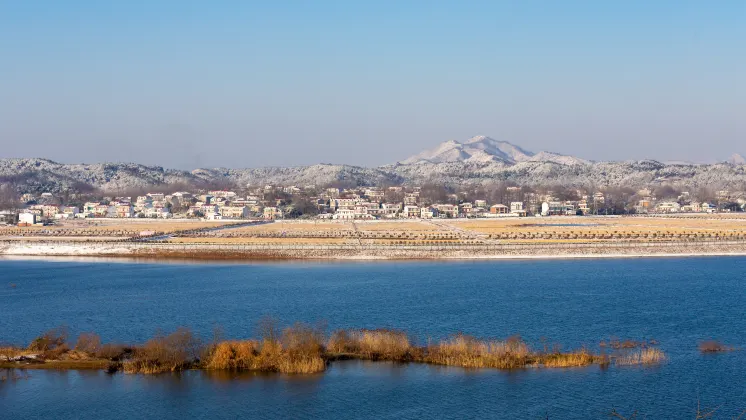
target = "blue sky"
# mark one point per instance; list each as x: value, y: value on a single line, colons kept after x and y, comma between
x: 249, y: 83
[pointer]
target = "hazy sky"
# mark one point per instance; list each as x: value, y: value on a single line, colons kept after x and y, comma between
x: 259, y: 83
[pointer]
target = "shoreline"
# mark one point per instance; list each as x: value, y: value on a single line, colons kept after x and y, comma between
x: 19, y: 250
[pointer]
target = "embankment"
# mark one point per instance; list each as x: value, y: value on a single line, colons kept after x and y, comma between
x: 370, y: 251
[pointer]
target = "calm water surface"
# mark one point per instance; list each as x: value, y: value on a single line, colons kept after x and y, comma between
x: 678, y: 302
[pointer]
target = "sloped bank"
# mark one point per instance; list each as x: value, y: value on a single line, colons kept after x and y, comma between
x: 370, y: 252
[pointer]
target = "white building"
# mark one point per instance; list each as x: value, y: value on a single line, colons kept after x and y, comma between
x: 428, y: 212
x: 27, y: 219
x: 411, y: 212
x: 516, y: 207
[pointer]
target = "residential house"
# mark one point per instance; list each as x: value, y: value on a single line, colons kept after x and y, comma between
x: 709, y: 208
x: 466, y: 209
x: 499, y: 209
x: 693, y: 207
x: 411, y: 212
x: 235, y: 212
x: 557, y: 208
x: 411, y: 199
x: 67, y: 212
x: 390, y: 209
x: 47, y: 211
x: 373, y: 209
x: 361, y: 212
x: 428, y: 212
x: 157, y: 213
x: 668, y: 207
x: 447, y: 210
x: 124, y: 210
x: 516, y: 207
x: 374, y: 194
x: 343, y: 203
x: 583, y: 206
x: 272, y: 213
x: 7, y: 216
x: 344, y: 214
x: 643, y: 206
x: 213, y: 216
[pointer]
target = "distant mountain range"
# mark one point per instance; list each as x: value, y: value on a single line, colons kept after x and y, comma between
x: 478, y: 160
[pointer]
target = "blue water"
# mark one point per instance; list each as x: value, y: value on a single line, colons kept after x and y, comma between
x: 677, y: 302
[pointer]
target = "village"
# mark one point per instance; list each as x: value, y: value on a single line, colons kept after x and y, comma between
x: 364, y: 203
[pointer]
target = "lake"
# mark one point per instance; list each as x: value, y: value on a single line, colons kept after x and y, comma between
x: 676, y: 301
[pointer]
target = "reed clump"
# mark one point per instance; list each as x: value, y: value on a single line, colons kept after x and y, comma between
x: 644, y: 356
x: 234, y: 355
x: 303, y: 349
x: 713, y: 346
x: 165, y: 353
x: 378, y: 344
x: 469, y: 352
x: 299, y: 349
x: 113, y: 352
x: 578, y: 358
x: 89, y: 343
x: 10, y: 352
x: 51, y: 345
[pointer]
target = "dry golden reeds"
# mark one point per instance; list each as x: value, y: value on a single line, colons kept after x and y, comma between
x: 234, y: 355
x: 299, y: 349
x: 378, y: 344
x: 173, y: 352
x: 573, y: 359
x: 466, y: 351
x: 644, y: 356
x: 88, y: 343
x: 302, y: 348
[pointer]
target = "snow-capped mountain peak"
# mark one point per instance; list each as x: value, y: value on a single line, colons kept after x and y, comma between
x: 483, y: 149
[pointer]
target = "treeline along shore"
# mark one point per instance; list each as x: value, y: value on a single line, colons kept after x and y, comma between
x: 305, y: 349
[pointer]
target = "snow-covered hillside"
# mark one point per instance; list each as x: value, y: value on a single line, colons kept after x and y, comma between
x: 479, y: 160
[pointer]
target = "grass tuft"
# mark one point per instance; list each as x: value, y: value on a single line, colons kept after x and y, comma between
x: 645, y: 356
x: 712, y: 346
x: 378, y: 344
x: 170, y: 353
x: 466, y: 351
x: 573, y: 359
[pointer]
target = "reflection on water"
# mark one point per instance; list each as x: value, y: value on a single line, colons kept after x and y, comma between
x: 355, y: 389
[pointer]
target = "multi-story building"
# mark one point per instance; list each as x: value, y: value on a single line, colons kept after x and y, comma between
x: 499, y: 209
x: 447, y: 210
x: 411, y: 212
x: 234, y: 212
